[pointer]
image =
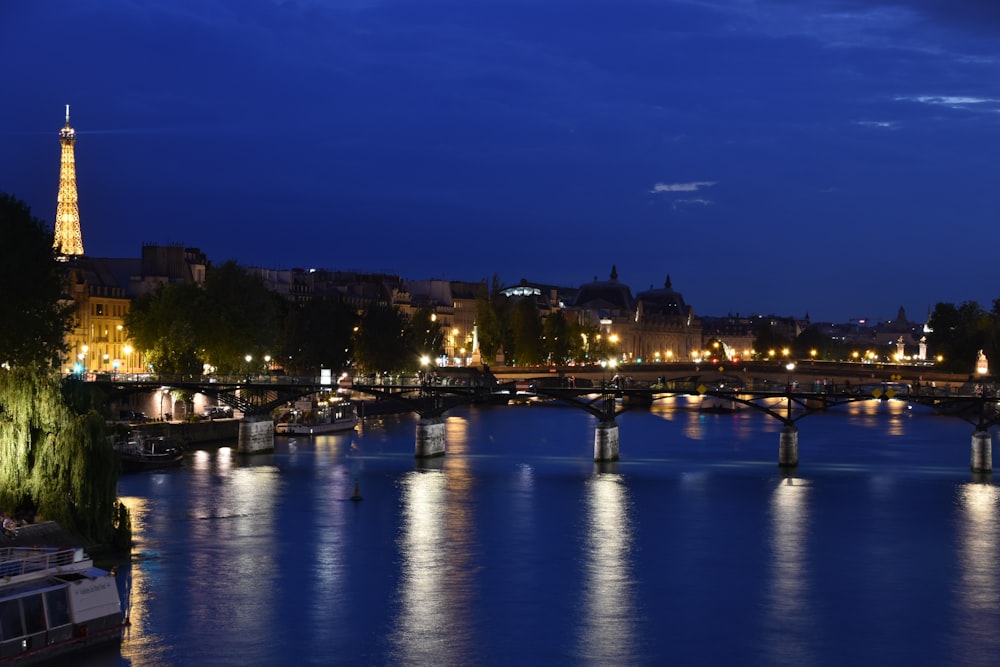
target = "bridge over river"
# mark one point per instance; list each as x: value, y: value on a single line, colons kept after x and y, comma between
x: 783, y: 395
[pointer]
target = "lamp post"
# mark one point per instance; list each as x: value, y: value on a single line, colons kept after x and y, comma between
x: 163, y: 392
x: 790, y: 367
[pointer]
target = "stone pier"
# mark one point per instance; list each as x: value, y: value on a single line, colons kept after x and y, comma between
x: 982, y: 451
x: 788, y: 446
x: 430, y: 437
x: 606, y: 442
x: 256, y: 435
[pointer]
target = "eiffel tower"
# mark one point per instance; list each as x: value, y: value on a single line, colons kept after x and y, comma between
x: 68, y: 240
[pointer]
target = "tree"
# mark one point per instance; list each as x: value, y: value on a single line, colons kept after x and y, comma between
x: 380, y: 344
x: 58, y: 462
x: 555, y: 333
x: 243, y: 317
x: 425, y: 334
x: 769, y: 339
x: 318, y: 334
x: 34, y: 318
x: 487, y: 324
x: 958, y: 333
x: 167, y: 326
x: 526, y: 327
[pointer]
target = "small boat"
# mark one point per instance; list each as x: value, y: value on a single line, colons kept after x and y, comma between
x: 144, y: 453
x: 54, y: 602
x: 307, y: 418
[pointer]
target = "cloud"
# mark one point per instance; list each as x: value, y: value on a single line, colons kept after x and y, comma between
x: 692, y: 202
x: 963, y: 102
x: 693, y: 186
x: 880, y: 124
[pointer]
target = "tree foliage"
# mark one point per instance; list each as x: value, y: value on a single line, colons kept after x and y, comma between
x: 181, y: 328
x: 381, y: 344
x: 318, y: 334
x: 426, y: 338
x: 34, y: 318
x: 526, y: 327
x: 56, y: 461
x: 959, y: 332
x: 557, y: 344
x: 166, y: 325
x: 487, y: 322
x: 243, y: 317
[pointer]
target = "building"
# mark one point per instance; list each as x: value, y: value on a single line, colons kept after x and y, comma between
x: 654, y: 326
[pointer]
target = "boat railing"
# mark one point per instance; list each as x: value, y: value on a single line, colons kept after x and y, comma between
x: 15, y: 561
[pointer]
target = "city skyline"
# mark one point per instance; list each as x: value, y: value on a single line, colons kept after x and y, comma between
x: 829, y: 157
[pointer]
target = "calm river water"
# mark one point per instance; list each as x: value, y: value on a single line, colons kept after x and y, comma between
x: 516, y: 549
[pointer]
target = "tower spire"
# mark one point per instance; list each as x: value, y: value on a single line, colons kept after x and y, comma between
x: 68, y: 239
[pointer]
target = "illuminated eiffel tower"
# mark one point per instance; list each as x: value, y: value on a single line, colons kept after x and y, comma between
x: 68, y: 239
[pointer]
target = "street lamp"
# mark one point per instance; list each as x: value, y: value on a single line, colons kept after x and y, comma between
x: 790, y: 367
x: 163, y: 392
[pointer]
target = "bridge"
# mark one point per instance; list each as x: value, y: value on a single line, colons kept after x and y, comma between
x: 431, y: 397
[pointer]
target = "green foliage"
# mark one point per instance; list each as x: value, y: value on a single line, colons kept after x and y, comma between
x: 826, y: 348
x: 33, y: 318
x: 381, y: 344
x: 243, y: 317
x: 180, y: 328
x: 769, y: 339
x: 318, y: 334
x: 55, y: 460
x: 487, y: 323
x: 556, y: 338
x: 166, y: 324
x: 959, y: 332
x: 425, y: 333
x: 526, y: 327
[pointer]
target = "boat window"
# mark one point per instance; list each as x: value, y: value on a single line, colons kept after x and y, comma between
x: 57, y: 606
x: 34, y: 614
x: 10, y: 619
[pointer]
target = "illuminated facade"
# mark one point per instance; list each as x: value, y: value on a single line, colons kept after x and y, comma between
x: 97, y: 341
x: 655, y: 326
x: 68, y: 239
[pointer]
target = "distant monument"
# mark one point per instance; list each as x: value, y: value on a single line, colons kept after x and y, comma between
x: 982, y: 365
x: 68, y: 240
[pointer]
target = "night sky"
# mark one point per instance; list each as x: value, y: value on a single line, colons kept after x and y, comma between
x: 830, y: 157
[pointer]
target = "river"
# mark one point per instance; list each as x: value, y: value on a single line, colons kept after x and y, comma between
x: 517, y: 549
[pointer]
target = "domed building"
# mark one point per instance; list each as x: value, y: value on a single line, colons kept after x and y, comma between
x: 666, y: 328
x: 654, y: 326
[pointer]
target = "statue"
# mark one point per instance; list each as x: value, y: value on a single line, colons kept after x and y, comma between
x: 982, y: 365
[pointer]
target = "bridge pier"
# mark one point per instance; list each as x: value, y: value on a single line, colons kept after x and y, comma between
x: 430, y: 437
x: 606, y: 442
x: 788, y: 446
x: 982, y: 451
x: 256, y: 435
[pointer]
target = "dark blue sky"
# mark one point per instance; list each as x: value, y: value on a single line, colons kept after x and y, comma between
x: 835, y: 157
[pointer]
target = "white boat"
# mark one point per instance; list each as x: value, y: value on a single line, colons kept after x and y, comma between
x: 54, y: 602
x: 308, y: 418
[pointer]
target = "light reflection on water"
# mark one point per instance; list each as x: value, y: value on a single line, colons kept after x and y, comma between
x: 515, y: 548
x: 607, y: 630
x: 978, y: 585
x: 791, y: 619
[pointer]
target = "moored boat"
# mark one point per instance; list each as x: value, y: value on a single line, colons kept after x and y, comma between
x: 144, y: 453
x: 54, y: 602
x: 309, y: 418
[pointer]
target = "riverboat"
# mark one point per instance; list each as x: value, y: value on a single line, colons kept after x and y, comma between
x: 309, y: 419
x: 145, y: 453
x: 53, y: 603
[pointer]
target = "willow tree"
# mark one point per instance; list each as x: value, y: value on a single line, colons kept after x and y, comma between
x: 55, y: 461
